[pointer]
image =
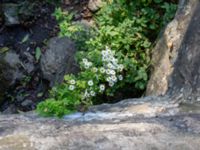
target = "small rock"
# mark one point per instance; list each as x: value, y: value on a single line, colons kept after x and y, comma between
x: 10, y: 68
x: 67, y: 2
x: 11, y: 14
x: 94, y: 5
x: 27, y: 103
x: 10, y: 71
x: 10, y: 110
x: 58, y: 60
x: 88, y: 23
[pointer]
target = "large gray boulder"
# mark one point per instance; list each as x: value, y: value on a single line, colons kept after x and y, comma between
x: 58, y: 60
x: 175, y: 66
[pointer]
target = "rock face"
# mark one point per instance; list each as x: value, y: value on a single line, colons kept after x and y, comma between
x: 140, y: 124
x: 58, y: 60
x: 175, y: 62
x: 150, y: 123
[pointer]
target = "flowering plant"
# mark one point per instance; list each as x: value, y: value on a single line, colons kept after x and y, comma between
x: 129, y: 29
x: 78, y: 91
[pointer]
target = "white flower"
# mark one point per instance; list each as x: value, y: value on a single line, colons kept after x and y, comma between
x: 86, y: 95
x: 104, y: 58
x: 104, y: 53
x: 120, y: 67
x: 90, y: 64
x: 112, y: 72
x: 94, y: 69
x: 71, y: 87
x: 92, y: 93
x: 110, y: 66
x: 114, y: 78
x: 102, y: 87
x: 90, y: 83
x: 102, y: 70
x: 114, y: 60
x: 111, y: 84
x: 84, y: 60
x: 120, y: 77
x: 108, y: 79
x: 72, y: 81
x: 108, y: 71
x: 86, y: 66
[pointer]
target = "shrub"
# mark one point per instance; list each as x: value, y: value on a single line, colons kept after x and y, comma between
x: 117, y: 55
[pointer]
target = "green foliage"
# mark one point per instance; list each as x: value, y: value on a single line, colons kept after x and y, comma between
x: 65, y: 23
x: 76, y: 31
x: 116, y: 56
x: 38, y: 54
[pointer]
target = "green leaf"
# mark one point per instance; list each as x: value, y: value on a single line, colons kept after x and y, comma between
x: 37, y: 54
x: 25, y: 39
x: 4, y: 50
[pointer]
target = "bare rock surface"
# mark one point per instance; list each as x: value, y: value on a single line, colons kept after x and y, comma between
x: 139, y: 124
x: 58, y: 60
x: 175, y: 48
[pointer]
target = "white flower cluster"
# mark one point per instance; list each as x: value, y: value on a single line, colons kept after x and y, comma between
x: 87, y: 94
x: 87, y: 64
x: 72, y: 85
x: 111, y: 71
x: 111, y: 67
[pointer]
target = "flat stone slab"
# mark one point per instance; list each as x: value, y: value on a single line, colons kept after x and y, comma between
x: 156, y: 125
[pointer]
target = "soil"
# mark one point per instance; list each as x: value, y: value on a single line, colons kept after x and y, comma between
x: 24, y: 96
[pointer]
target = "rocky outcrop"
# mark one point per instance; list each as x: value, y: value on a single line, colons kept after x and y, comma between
x: 146, y: 124
x: 58, y: 60
x: 175, y: 68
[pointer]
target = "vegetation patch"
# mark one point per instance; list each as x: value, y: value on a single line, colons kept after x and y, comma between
x: 114, y: 56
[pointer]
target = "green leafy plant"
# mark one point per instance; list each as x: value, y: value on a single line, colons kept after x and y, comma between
x: 75, y: 30
x: 96, y: 77
x: 116, y: 56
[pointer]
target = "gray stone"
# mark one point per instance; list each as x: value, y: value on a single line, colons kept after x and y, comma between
x: 94, y: 5
x: 27, y: 103
x: 12, y: 72
x: 58, y: 60
x: 9, y: 70
x: 12, y: 69
x: 18, y: 11
x: 10, y: 110
x: 175, y: 52
x: 145, y: 124
x: 11, y: 14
